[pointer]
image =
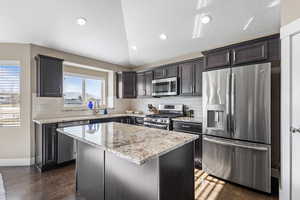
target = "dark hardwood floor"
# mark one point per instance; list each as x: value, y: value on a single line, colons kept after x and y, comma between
x: 26, y: 183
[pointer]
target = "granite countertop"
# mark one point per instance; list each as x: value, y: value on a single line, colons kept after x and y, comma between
x: 83, y: 117
x: 137, y: 144
x: 188, y: 119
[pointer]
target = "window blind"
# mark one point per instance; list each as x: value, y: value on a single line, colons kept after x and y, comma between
x: 9, y: 95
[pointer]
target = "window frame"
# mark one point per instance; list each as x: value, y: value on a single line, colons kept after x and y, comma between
x: 84, y: 77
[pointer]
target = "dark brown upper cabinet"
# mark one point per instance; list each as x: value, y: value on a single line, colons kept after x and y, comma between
x: 140, y: 84
x: 190, y: 75
x: 166, y: 72
x: 198, y: 69
x: 250, y: 53
x: 265, y: 49
x: 217, y: 59
x: 49, y: 76
x: 186, y: 71
x: 148, y: 83
x: 126, y: 84
x: 144, y: 84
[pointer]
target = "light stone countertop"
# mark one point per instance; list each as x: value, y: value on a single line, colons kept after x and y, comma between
x: 83, y: 117
x: 137, y: 144
x: 188, y: 119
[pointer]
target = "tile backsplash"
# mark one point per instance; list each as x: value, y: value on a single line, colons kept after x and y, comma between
x: 43, y: 107
x: 192, y: 103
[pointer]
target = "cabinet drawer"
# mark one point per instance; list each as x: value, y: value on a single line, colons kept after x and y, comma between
x: 187, y: 127
x: 219, y: 59
x: 245, y: 163
x: 250, y: 53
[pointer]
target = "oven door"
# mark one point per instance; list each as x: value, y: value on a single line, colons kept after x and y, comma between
x: 164, y: 87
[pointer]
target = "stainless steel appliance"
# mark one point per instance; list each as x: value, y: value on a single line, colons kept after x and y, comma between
x: 66, y: 145
x: 162, y: 120
x: 165, y: 87
x: 237, y: 125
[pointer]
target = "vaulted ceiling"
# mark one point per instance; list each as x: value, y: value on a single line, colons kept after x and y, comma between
x: 114, y: 26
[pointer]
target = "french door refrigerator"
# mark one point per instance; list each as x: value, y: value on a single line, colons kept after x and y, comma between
x: 237, y: 125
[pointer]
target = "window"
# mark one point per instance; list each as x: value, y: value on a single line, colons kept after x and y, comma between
x: 78, y: 90
x: 9, y: 95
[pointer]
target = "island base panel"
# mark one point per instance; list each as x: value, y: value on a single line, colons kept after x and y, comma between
x: 127, y: 180
x: 103, y: 175
x: 176, y: 171
x: 90, y: 171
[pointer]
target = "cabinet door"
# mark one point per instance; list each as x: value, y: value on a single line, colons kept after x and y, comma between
x: 220, y: 59
x: 186, y: 79
x: 50, y: 76
x: 140, y: 85
x: 119, y: 85
x: 148, y: 83
x: 159, y: 73
x: 50, y: 144
x: 171, y: 71
x: 198, y: 69
x: 129, y: 84
x: 250, y: 53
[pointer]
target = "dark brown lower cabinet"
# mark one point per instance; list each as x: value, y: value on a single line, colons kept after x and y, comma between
x: 50, y: 144
x: 192, y: 128
x: 46, y: 146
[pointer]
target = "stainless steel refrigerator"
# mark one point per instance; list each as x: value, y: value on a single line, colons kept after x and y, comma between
x: 237, y: 125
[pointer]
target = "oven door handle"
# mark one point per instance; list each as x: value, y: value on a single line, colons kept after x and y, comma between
x: 157, y: 125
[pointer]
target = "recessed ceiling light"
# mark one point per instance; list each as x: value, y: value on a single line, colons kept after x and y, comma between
x: 134, y: 48
x: 81, y: 21
x: 163, y: 36
x: 205, y: 19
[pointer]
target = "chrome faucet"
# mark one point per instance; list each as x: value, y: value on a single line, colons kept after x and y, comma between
x: 96, y: 107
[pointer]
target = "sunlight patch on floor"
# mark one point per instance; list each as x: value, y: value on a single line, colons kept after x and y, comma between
x: 207, y: 187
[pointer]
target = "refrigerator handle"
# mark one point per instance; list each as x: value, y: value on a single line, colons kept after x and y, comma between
x: 227, y: 102
x: 233, y: 103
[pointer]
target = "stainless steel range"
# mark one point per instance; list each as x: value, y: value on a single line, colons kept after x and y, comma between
x: 162, y: 120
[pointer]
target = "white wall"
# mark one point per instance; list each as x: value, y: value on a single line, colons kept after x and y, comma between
x: 15, y: 145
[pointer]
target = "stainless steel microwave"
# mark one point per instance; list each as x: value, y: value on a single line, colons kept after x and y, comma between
x: 164, y: 87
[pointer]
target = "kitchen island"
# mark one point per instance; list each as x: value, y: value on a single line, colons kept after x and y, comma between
x: 120, y: 161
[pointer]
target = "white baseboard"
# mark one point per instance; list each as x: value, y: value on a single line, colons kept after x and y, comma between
x: 16, y: 162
